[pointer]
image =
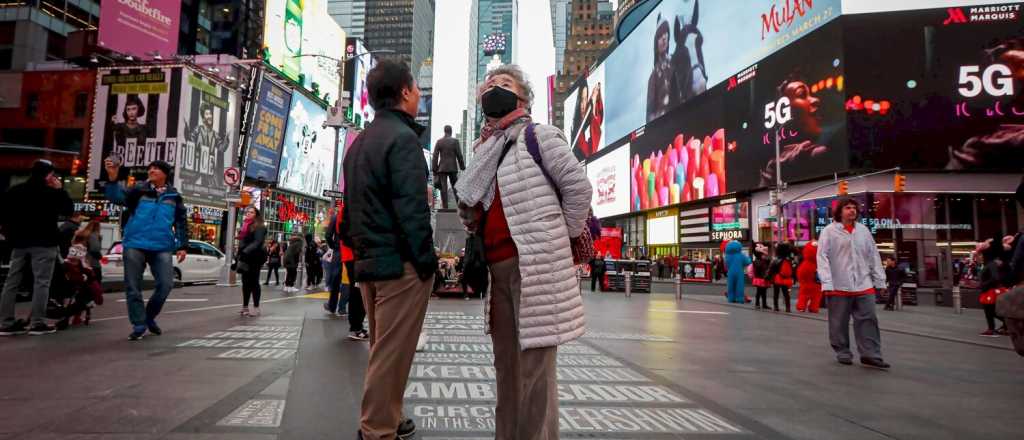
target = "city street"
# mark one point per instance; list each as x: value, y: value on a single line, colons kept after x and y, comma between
x: 650, y: 368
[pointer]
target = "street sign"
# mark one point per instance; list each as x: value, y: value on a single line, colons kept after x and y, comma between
x: 232, y: 176
x: 334, y: 194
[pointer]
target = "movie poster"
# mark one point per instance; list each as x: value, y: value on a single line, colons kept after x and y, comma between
x: 209, y: 130
x: 137, y: 118
x: 267, y: 134
x: 795, y: 97
x: 945, y: 94
x: 584, y: 113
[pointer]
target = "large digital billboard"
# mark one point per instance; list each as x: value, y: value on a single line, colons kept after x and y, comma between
x: 945, y: 94
x: 681, y: 157
x: 684, y: 47
x: 282, y: 36
x: 359, y: 65
x: 267, y: 134
x: 321, y: 50
x: 584, y: 115
x: 794, y: 97
x: 609, y: 176
x: 307, y: 161
x: 141, y: 29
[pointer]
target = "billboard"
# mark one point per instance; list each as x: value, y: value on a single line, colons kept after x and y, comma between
x: 268, y: 130
x: 339, y: 168
x: 662, y: 227
x: 282, y: 36
x: 948, y: 95
x: 307, y: 159
x: 796, y: 97
x: 138, y: 117
x: 210, y: 133
x: 358, y: 66
x: 584, y: 113
x: 320, y: 73
x: 140, y: 28
x: 730, y: 221
x: 684, y: 47
x: 681, y: 157
x: 609, y: 176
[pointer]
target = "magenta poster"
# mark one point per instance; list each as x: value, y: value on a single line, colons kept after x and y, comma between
x: 140, y: 28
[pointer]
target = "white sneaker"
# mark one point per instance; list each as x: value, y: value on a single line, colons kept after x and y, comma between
x: 244, y: 311
x: 422, y: 342
x: 255, y: 312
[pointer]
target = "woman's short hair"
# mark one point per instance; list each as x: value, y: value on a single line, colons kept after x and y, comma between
x: 386, y: 81
x: 837, y: 216
x: 517, y: 75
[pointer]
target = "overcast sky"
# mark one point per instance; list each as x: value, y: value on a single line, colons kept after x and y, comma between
x: 451, y: 58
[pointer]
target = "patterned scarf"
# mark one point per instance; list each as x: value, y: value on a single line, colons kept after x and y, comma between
x: 476, y: 185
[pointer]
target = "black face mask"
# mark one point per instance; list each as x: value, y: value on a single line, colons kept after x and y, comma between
x: 498, y: 102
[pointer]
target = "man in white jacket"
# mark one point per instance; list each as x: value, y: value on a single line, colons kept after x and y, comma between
x: 850, y: 270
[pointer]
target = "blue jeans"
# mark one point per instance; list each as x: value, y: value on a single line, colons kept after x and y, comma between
x: 338, y: 298
x: 162, y: 268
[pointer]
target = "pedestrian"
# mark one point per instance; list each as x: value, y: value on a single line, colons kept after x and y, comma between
x: 312, y: 258
x: 893, y: 281
x: 388, y: 228
x: 337, y: 283
x: 156, y: 227
x: 993, y: 277
x: 446, y: 163
x: 597, y: 271
x: 68, y: 230
x: 251, y: 255
x: 760, y: 276
x: 32, y: 233
x: 736, y: 263
x: 529, y: 197
x: 780, y: 273
x: 94, y: 248
x: 292, y: 255
x: 273, y: 262
x: 83, y: 286
x: 808, y: 298
x: 850, y: 269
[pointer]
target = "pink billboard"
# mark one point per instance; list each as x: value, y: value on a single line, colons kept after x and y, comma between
x: 140, y: 28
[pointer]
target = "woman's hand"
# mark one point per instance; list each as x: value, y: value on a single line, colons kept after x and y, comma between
x: 470, y: 216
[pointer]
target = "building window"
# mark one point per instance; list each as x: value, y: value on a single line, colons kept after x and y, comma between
x: 32, y: 105
x: 81, y: 104
x: 69, y: 139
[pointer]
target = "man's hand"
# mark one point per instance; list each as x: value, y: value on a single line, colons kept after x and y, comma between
x: 181, y: 255
x: 112, y: 169
x: 53, y: 182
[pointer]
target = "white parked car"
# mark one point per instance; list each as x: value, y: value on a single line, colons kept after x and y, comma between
x: 203, y: 264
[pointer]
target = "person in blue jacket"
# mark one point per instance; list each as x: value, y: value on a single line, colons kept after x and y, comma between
x: 736, y: 263
x: 155, y: 229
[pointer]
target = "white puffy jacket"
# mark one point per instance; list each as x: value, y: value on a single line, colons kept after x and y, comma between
x: 551, y: 307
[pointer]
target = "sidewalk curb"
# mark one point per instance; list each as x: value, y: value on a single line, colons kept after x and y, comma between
x: 903, y: 332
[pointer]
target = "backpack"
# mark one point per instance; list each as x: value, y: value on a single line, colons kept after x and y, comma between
x: 582, y: 246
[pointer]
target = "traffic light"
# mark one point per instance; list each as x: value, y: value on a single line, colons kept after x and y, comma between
x: 899, y: 182
x: 74, y: 167
x: 843, y: 188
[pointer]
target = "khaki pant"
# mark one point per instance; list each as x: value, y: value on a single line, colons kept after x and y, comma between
x: 527, y: 388
x: 396, y: 310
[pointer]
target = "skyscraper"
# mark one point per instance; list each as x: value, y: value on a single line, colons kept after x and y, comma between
x: 350, y: 15
x: 405, y: 27
x: 560, y: 29
x: 591, y: 31
x: 490, y: 43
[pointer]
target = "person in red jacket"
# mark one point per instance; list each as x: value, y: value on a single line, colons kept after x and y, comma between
x: 781, y: 274
x: 809, y: 297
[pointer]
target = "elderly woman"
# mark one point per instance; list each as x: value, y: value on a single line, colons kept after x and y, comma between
x: 527, y: 210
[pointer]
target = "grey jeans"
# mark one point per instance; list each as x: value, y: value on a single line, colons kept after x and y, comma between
x: 43, y: 259
x: 865, y: 326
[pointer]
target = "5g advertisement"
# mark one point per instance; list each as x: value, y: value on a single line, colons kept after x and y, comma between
x: 945, y: 94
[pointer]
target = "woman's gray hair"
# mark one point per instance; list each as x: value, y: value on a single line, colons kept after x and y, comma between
x: 517, y: 74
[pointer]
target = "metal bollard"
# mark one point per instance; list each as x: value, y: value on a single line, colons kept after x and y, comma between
x: 629, y: 285
x: 679, y: 289
x: 899, y: 298
x: 957, y: 301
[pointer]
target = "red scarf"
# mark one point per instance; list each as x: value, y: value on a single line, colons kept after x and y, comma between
x: 501, y: 124
x: 246, y: 228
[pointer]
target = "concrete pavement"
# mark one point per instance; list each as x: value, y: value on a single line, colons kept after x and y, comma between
x: 650, y: 368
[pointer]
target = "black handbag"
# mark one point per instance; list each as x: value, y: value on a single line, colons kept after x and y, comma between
x: 474, y: 271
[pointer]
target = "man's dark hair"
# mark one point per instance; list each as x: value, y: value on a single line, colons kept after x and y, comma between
x: 837, y: 216
x: 204, y: 108
x: 386, y: 81
x: 447, y: 129
x: 133, y: 100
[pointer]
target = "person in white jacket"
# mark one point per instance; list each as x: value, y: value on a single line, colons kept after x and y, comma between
x: 850, y: 270
x: 526, y: 209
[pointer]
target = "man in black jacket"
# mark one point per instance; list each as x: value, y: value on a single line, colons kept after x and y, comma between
x: 29, y: 221
x: 386, y: 222
x: 446, y: 164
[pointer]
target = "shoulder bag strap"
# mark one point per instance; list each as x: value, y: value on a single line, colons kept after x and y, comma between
x: 534, y: 148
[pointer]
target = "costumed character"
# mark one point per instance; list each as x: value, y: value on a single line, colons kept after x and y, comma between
x: 809, y: 296
x: 736, y: 263
x: 781, y: 274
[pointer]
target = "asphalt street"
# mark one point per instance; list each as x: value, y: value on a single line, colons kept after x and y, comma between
x: 651, y: 367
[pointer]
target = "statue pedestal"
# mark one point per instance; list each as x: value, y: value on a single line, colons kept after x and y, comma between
x: 449, y: 234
